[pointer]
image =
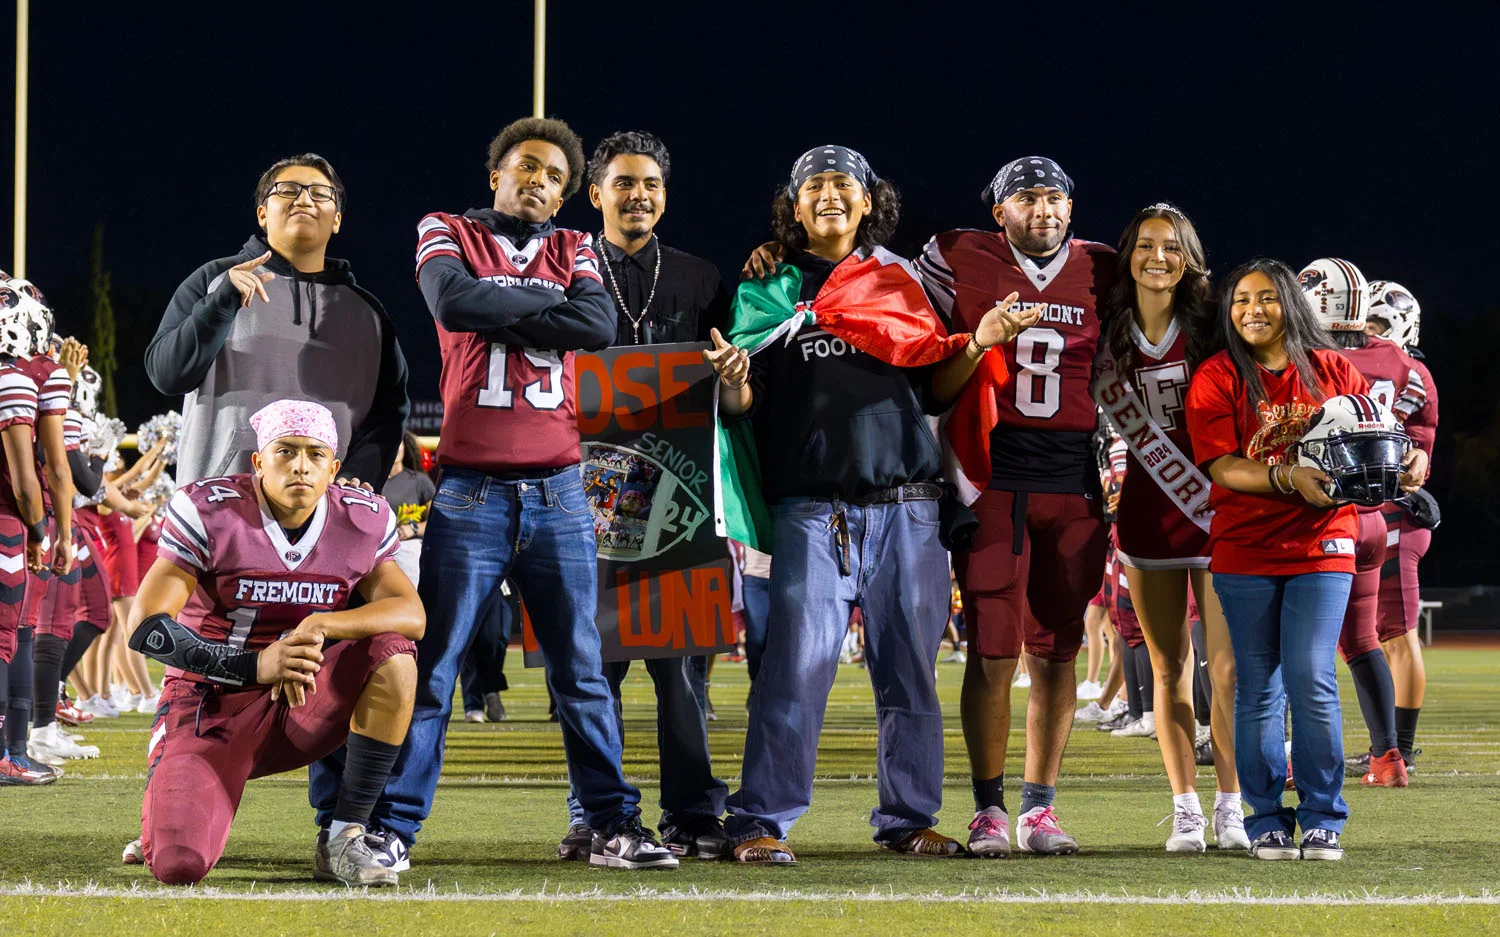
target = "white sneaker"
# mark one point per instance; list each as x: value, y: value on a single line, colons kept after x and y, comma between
x: 1023, y: 681
x: 1187, y: 831
x: 1229, y: 828
x: 347, y: 858
x: 1089, y: 689
x: 473, y: 715
x: 40, y: 757
x: 148, y: 704
x: 1038, y: 831
x: 133, y: 854
x: 118, y: 689
x: 989, y: 834
x: 1091, y: 713
x: 100, y: 707
x: 126, y: 703
x: 49, y: 740
x: 1144, y: 727
x: 957, y: 657
x: 1203, y: 735
x: 1117, y: 708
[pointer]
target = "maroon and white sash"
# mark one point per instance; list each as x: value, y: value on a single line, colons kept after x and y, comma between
x: 1174, y: 473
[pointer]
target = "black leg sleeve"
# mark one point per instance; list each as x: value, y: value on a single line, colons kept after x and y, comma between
x: 1377, y: 698
x: 18, y: 711
x: 84, y: 635
x: 47, y: 671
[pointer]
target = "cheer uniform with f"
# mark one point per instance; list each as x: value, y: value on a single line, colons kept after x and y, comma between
x: 512, y: 301
x: 254, y: 583
x: 1042, y: 537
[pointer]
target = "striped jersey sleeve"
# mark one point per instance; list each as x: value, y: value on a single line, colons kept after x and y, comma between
x: 937, y: 278
x: 435, y: 239
x: 17, y: 397
x: 390, y: 543
x: 1412, y: 396
x: 56, y: 393
x: 73, y: 430
x: 184, y: 539
x: 585, y: 261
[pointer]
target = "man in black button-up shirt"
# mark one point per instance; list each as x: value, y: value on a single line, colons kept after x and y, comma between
x: 661, y: 295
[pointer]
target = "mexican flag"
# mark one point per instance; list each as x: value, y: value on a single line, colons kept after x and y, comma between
x: 878, y: 306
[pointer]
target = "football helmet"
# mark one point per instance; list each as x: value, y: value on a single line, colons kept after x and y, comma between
x: 1395, y: 304
x: 15, y: 323
x: 86, y: 392
x: 1357, y: 441
x: 1339, y: 293
x: 40, y: 314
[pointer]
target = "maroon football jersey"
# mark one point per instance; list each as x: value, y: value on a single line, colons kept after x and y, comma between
x: 506, y: 408
x: 1153, y: 531
x: 17, y: 406
x: 1422, y: 425
x: 1402, y: 383
x: 253, y: 583
x: 1050, y: 364
x: 54, y: 395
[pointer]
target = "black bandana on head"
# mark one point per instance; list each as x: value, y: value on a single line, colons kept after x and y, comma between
x: 830, y: 159
x: 1029, y: 172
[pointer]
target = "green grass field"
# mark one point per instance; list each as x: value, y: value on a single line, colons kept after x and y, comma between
x: 486, y: 862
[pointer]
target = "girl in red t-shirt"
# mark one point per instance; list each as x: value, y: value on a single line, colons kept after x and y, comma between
x: 1282, y: 551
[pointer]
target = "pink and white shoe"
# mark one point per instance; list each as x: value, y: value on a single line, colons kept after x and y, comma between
x: 1038, y: 832
x: 989, y: 834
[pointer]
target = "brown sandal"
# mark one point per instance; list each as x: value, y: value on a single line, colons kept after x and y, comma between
x: 765, y: 850
x: 928, y: 843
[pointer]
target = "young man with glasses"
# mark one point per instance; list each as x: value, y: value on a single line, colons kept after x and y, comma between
x: 281, y: 319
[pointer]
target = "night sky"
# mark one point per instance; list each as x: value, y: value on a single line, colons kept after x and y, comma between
x: 1290, y: 136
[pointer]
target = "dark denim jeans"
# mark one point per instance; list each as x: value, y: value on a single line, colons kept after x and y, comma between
x: 756, y: 593
x: 540, y: 534
x: 689, y: 790
x: 1285, y: 631
x: 899, y: 578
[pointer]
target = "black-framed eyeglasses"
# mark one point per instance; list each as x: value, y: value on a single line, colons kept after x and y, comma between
x: 291, y: 191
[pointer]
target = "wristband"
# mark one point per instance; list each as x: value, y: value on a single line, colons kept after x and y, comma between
x: 982, y: 349
x: 38, y: 531
x: 163, y: 638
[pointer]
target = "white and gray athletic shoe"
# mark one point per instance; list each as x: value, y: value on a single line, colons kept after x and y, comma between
x: 1037, y: 831
x: 347, y: 858
x: 49, y: 741
x: 133, y: 854
x: 1229, y: 828
x: 989, y: 834
x: 630, y: 846
x: 1187, y: 831
x: 388, y: 849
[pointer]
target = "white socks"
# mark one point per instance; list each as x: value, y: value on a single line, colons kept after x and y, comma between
x: 1226, y: 800
x: 1187, y: 802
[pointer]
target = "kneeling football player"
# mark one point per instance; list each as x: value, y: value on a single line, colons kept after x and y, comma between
x: 268, y: 669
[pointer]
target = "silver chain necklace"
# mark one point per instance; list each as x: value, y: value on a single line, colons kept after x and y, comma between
x: 635, y: 321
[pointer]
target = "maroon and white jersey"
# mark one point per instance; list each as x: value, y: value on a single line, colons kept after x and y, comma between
x: 17, y: 407
x: 254, y: 583
x: 967, y: 271
x: 1153, y: 531
x: 506, y: 408
x: 53, y: 397
x: 1402, y: 383
x: 72, y: 430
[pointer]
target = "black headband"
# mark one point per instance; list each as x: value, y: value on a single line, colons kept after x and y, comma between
x: 830, y: 159
x: 1029, y: 172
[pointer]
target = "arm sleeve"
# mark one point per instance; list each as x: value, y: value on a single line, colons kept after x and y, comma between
x: 461, y: 302
x: 88, y: 472
x: 937, y: 279
x: 584, y: 322
x: 373, y: 443
x: 192, y: 331
x: 1211, y: 417
x: 1422, y: 424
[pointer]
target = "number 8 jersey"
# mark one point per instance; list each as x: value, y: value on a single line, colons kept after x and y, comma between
x: 254, y: 583
x: 1045, y: 417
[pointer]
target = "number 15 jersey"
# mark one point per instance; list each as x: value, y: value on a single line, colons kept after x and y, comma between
x: 253, y: 582
x: 1045, y: 416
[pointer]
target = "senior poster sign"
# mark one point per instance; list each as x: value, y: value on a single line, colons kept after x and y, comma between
x: 646, y: 415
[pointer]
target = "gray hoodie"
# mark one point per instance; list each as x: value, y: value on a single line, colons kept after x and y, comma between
x: 320, y: 338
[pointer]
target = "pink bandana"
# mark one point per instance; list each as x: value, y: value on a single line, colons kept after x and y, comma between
x: 294, y: 418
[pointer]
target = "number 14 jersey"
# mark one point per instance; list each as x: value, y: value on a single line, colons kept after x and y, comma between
x: 253, y: 582
x: 1045, y: 414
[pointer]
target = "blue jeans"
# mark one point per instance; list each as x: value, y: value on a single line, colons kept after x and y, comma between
x: 1285, y: 631
x: 689, y: 790
x: 756, y: 593
x: 899, y: 578
x: 539, y: 533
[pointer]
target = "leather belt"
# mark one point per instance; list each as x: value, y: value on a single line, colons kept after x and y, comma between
x: 915, y: 491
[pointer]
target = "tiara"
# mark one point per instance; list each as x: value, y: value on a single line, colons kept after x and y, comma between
x: 1165, y: 206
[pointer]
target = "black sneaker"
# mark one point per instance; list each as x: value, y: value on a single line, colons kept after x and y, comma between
x: 1411, y: 759
x: 703, y: 838
x: 388, y: 849
x: 1358, y: 766
x: 577, y: 844
x: 1322, y: 844
x: 1276, y: 844
x: 494, y: 709
x: 630, y: 846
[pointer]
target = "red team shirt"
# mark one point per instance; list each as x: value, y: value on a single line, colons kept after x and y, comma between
x: 1154, y: 533
x: 967, y: 271
x: 253, y: 584
x: 532, y: 389
x: 1269, y: 534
